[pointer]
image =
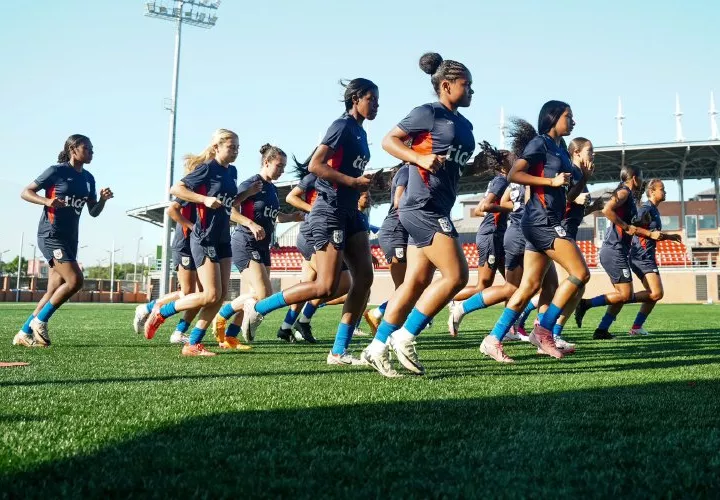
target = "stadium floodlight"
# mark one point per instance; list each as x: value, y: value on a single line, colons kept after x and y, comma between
x: 201, y: 13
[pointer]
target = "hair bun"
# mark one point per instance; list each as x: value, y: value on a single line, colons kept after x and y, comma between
x: 265, y: 148
x: 430, y: 62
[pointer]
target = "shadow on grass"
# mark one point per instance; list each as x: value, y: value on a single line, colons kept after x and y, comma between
x: 657, y: 440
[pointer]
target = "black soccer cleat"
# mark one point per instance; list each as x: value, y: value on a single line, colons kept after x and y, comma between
x: 305, y: 330
x: 286, y: 334
x: 580, y: 311
x: 601, y: 334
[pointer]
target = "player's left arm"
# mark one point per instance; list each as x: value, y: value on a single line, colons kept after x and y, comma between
x: 95, y: 206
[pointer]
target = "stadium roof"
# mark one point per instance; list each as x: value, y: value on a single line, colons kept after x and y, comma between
x: 667, y: 161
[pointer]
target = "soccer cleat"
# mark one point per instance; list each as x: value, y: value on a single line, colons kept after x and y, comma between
x: 542, y: 338
x: 601, y: 334
x: 372, y: 322
x: 381, y: 362
x: 286, y: 334
x: 429, y: 325
x: 454, y: 318
x: 512, y: 335
x: 234, y: 343
x: 179, y: 337
x: 344, y: 359
x: 580, y: 311
x: 40, y: 332
x: 493, y: 348
x: 141, y: 316
x: 407, y: 355
x: 196, y: 350
x: 219, y: 324
x: 359, y: 333
x: 251, y: 319
x: 305, y: 331
x: 638, y: 331
x: 153, y: 323
x: 562, y: 344
x: 522, y: 333
x: 24, y: 339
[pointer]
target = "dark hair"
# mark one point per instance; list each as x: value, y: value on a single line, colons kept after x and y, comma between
x: 439, y: 69
x: 550, y: 113
x: 302, y: 169
x: 522, y: 133
x: 72, y: 142
x: 577, y: 145
x: 651, y: 184
x: 627, y: 172
x: 490, y: 158
x: 270, y: 153
x: 357, y: 88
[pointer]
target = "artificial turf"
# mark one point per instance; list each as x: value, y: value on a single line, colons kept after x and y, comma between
x: 105, y: 413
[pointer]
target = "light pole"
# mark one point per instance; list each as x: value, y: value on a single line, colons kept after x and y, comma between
x: 137, y: 254
x: 17, y: 291
x: 112, y: 269
x: 34, y: 268
x: 202, y: 13
x: 1, y: 257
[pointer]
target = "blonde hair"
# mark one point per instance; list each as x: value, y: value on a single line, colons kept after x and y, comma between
x: 220, y: 136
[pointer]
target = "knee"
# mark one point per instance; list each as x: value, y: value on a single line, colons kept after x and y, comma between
x: 324, y: 290
x: 76, y: 283
x: 212, y: 297
x: 656, y: 295
x: 580, y: 277
x: 459, y: 279
x: 625, y: 295
x: 364, y: 281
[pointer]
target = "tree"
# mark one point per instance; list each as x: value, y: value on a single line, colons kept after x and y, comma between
x: 12, y: 267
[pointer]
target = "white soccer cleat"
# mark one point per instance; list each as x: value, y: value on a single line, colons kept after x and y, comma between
x: 380, y: 362
x: 493, y: 348
x: 512, y: 334
x: 40, y: 332
x: 408, y: 357
x: 251, y: 320
x: 23, y: 339
x: 141, y: 316
x: 344, y: 359
x: 638, y: 331
x: 179, y: 337
x: 454, y: 318
x: 563, y: 344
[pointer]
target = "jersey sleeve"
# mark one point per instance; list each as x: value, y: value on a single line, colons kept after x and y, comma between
x: 497, y: 187
x: 333, y: 136
x: 197, y: 177
x: 307, y: 182
x: 245, y: 185
x: 420, y: 119
x: 92, y: 194
x: 535, y: 151
x: 47, y: 178
x: 402, y: 176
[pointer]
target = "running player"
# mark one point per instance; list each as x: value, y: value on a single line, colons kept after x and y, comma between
x: 68, y: 188
x: 251, y: 239
x: 491, y: 232
x: 337, y: 228
x: 441, y: 143
x: 211, y: 185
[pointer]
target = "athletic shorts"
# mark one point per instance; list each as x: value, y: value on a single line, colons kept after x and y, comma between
x: 514, y: 244
x: 394, y: 243
x: 245, y: 249
x: 541, y: 238
x: 422, y: 225
x: 55, y: 250
x: 490, y: 250
x: 303, y: 245
x: 643, y: 266
x: 329, y: 225
x: 183, y: 258
x: 616, y: 263
x: 215, y: 253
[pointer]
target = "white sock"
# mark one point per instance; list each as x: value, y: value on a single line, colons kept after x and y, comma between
x: 303, y: 319
x: 286, y: 326
x: 376, y: 313
x: 402, y: 335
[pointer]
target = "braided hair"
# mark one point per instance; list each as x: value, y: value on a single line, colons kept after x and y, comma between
x: 490, y: 158
x: 441, y: 69
x: 72, y: 142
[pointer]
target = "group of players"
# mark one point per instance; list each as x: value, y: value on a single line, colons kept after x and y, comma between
x: 532, y: 208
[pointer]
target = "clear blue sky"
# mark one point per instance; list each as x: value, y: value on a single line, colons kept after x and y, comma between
x: 269, y: 71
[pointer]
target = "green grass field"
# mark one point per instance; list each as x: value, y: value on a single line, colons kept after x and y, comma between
x: 106, y: 413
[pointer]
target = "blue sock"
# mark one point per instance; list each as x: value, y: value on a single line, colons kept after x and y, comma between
x: 182, y: 326
x: 232, y: 330
x: 416, y: 322
x: 342, y: 338
x: 473, y: 303
x: 557, y: 330
x: 150, y: 305
x: 227, y: 311
x: 309, y: 310
x: 26, y: 327
x: 598, y: 301
x: 270, y: 304
x: 530, y: 307
x: 385, y: 330
x: 47, y: 311
x: 168, y: 310
x: 322, y: 305
x: 196, y: 335
x: 639, y: 320
x: 291, y: 316
x: 349, y: 339
x: 382, y: 307
x: 551, y: 316
x: 540, y: 317
x: 507, y: 319
x: 606, y: 321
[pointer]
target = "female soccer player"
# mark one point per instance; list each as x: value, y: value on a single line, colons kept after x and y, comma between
x: 544, y: 166
x: 251, y: 239
x: 68, y: 188
x: 491, y: 232
x: 622, y: 213
x: 393, y: 239
x: 441, y: 142
x: 212, y: 186
x: 338, y: 231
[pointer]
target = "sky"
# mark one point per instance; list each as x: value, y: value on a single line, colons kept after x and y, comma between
x: 269, y: 71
